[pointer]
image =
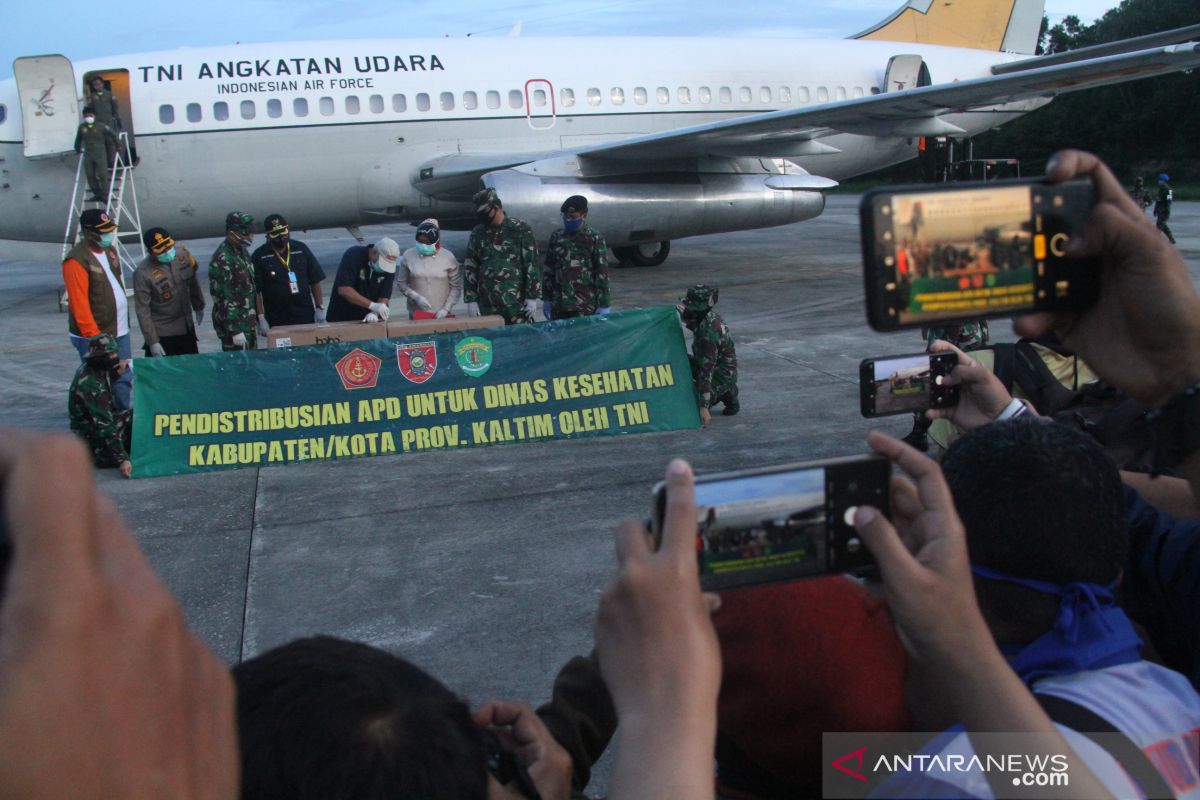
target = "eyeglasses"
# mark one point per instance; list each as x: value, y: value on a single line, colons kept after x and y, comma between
x: 505, y: 767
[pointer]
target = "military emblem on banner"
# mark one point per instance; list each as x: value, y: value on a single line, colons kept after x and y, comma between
x: 474, y: 355
x: 359, y: 369
x: 418, y: 361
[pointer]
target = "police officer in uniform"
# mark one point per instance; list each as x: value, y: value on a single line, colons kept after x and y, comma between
x: 98, y: 144
x: 231, y: 284
x: 287, y: 278
x: 575, y: 281
x: 501, y: 274
x: 167, y: 296
x: 92, y: 406
x: 363, y: 286
x: 714, y: 358
x: 1162, y: 206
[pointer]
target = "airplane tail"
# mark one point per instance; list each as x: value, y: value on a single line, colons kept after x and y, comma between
x: 1009, y: 25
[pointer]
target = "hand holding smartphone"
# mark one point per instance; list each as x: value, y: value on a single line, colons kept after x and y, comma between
x: 906, y: 384
x: 782, y: 523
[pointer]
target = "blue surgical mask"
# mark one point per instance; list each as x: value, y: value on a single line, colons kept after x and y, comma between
x: 572, y: 225
x: 167, y: 257
x: 426, y: 249
x: 106, y: 239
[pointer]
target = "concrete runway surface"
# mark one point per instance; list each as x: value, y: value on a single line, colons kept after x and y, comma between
x: 482, y: 565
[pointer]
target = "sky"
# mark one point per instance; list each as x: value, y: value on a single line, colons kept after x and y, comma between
x: 82, y: 30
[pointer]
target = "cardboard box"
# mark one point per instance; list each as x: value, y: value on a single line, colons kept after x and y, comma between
x: 332, y: 332
x: 404, y: 328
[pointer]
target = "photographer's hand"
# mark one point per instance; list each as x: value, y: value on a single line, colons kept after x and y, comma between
x: 659, y: 656
x: 103, y: 690
x: 524, y: 734
x: 1143, y: 335
x: 981, y: 395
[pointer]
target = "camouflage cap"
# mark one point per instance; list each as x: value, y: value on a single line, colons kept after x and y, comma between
x: 485, y: 198
x: 238, y: 221
x: 102, y: 345
x: 158, y: 241
x: 699, y: 298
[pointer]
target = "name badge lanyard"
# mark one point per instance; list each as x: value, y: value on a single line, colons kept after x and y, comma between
x: 287, y: 263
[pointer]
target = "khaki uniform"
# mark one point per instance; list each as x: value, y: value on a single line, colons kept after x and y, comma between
x: 165, y: 295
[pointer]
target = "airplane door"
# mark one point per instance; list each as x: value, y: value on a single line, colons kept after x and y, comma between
x: 539, y: 104
x: 905, y: 72
x: 49, y: 104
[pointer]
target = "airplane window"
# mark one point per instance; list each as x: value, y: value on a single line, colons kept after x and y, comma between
x: 352, y: 105
x: 726, y: 95
x: 858, y: 91
x: 764, y: 94
x: 839, y: 93
x: 566, y: 98
x: 684, y: 94
x: 593, y: 97
x: 470, y: 101
x: 705, y: 94
x: 166, y: 114
x: 399, y: 103
x: 376, y: 104
x: 539, y: 98
x: 618, y: 96
x: 422, y: 101
x: 493, y: 99
x: 822, y: 94
x: 194, y: 113
x: 220, y: 111
x: 515, y: 98
x: 3, y: 113
x: 876, y: 90
x: 446, y: 100
x: 663, y: 94
x: 745, y: 95
x: 785, y: 94
x: 326, y: 106
x: 247, y: 109
x: 802, y: 94
x: 300, y: 107
x: 274, y: 109
x: 639, y: 95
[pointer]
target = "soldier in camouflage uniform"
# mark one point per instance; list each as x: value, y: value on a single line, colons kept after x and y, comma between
x: 575, y: 281
x: 1140, y: 194
x: 714, y: 360
x: 92, y: 408
x: 231, y: 284
x: 501, y: 274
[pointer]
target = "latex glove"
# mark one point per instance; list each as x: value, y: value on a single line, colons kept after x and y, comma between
x: 531, y: 308
x: 602, y: 310
x: 264, y: 327
x: 239, y: 339
x: 420, y: 300
x: 371, y: 317
x: 156, y: 349
x: 472, y: 309
x: 547, y: 309
x: 380, y: 310
x: 441, y: 314
x: 199, y: 317
x: 319, y: 313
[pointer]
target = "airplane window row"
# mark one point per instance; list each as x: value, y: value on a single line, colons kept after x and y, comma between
x: 515, y: 99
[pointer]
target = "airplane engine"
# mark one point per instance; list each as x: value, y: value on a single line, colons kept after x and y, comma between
x: 640, y: 209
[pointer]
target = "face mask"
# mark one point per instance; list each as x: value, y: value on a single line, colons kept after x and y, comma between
x: 167, y: 257
x: 572, y: 225
x: 374, y: 265
x: 106, y: 239
x: 89, y: 120
x: 426, y: 249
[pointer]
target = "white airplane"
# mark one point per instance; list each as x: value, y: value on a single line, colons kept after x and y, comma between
x: 667, y: 137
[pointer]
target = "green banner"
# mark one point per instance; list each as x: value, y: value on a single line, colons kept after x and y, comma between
x: 592, y: 376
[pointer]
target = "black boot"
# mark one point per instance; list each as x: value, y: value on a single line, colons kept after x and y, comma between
x: 732, y: 406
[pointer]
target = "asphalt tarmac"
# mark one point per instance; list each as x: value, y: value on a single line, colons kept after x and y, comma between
x: 482, y: 565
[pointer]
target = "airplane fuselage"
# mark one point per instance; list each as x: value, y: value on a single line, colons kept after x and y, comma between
x: 335, y: 133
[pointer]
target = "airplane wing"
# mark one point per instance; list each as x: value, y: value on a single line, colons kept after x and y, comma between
x: 911, y: 112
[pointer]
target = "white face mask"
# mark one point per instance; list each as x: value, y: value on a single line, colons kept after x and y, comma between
x: 89, y: 120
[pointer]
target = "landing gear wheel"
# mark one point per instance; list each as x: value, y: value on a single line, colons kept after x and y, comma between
x: 624, y: 256
x: 651, y: 254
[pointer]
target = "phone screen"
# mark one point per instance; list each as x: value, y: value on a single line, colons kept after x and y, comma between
x: 906, y: 384
x: 963, y: 253
x: 784, y: 523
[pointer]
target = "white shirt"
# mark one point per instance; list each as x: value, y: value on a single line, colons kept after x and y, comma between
x: 118, y: 293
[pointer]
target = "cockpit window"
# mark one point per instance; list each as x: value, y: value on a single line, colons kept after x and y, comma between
x: 3, y: 113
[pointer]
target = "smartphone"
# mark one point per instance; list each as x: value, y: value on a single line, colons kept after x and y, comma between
x: 906, y: 384
x: 968, y: 251
x: 782, y: 523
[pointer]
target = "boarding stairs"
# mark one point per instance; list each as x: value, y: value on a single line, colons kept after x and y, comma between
x: 122, y: 206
